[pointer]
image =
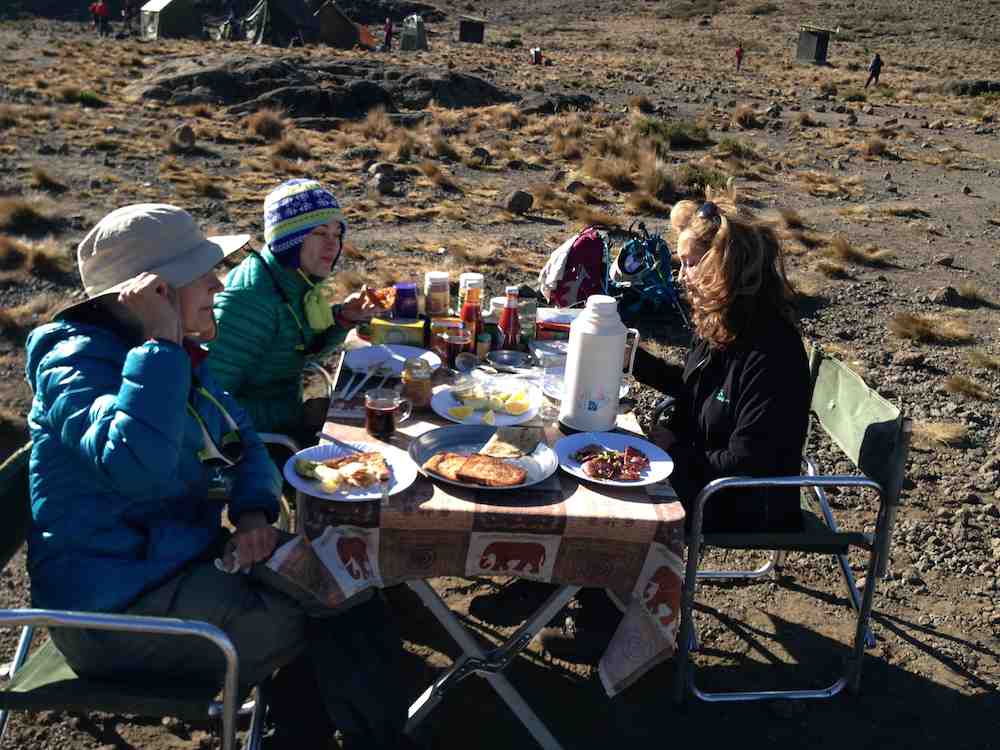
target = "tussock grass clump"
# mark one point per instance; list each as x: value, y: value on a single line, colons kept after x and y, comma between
x: 22, y: 216
x: 644, y: 204
x: 739, y: 149
x: 269, y: 124
x: 73, y: 95
x: 547, y: 198
x: 208, y: 187
x: 855, y: 95
x: 974, y: 295
x: 806, y: 120
x: 666, y: 135
x: 874, y: 147
x: 657, y: 180
x: 442, y: 148
x: 8, y: 117
x: 616, y: 172
x: 286, y: 166
x: 694, y: 179
x: 791, y: 219
x: 641, y: 103
x: 962, y: 386
x: 840, y: 248
x: 764, y: 9
x: 826, y: 185
x: 506, y: 117
x: 15, y: 322
x: 930, y: 329
x: 746, y: 117
x: 291, y: 147
x: 45, y: 181
x: 567, y: 147
x: 983, y: 360
x: 949, y: 434
x: 439, y: 178
x: 832, y: 269
x: 905, y: 211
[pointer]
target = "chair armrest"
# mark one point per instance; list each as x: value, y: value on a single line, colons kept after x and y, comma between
x: 663, y: 405
x: 326, y: 376
x: 52, y: 618
x: 273, y: 438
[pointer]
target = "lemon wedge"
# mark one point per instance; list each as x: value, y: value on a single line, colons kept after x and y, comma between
x: 489, y: 417
x: 460, y: 412
x: 517, y: 407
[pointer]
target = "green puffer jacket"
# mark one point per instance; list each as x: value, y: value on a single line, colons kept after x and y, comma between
x: 258, y: 354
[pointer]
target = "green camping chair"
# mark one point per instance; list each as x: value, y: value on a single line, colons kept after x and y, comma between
x: 44, y: 681
x: 875, y: 436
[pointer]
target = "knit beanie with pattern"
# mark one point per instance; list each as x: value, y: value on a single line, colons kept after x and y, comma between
x: 291, y: 211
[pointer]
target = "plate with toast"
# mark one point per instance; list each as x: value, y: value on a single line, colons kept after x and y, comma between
x: 485, y: 457
x: 335, y: 472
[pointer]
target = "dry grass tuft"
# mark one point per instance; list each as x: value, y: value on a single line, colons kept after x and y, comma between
x: 806, y: 120
x: 874, y: 147
x: 439, y: 178
x: 291, y: 147
x: 832, y: 269
x: 905, y: 211
x: 8, y: 117
x: 841, y: 249
x: 15, y: 322
x: 44, y: 181
x: 656, y: 179
x: 23, y: 216
x: 442, y: 148
x: 286, y: 166
x: 930, y: 329
x: 644, y: 204
x: 642, y: 104
x: 208, y: 187
x: 567, y: 147
x: 791, y: 219
x: 959, y: 385
x: 269, y: 124
x: 983, y: 360
x: 746, y: 118
x: 949, y: 434
x: 616, y: 172
x: 974, y: 295
x: 827, y: 185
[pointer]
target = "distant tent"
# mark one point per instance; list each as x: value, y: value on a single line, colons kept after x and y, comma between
x: 280, y: 23
x: 166, y: 18
x: 337, y: 30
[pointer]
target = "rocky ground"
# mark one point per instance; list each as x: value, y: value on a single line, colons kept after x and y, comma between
x: 886, y: 200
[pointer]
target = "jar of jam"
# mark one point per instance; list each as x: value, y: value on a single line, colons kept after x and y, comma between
x: 417, y: 386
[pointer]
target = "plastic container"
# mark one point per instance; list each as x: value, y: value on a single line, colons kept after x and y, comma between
x: 467, y: 279
x: 594, y: 366
x: 436, y: 290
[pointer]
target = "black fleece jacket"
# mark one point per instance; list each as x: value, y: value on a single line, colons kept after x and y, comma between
x: 741, y: 411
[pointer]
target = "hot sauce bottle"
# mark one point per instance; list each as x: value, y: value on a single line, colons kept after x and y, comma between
x: 510, y: 324
x: 472, y: 315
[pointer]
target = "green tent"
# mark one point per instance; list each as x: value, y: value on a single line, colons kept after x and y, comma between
x: 166, y: 18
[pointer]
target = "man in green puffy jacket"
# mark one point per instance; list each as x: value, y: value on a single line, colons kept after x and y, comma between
x: 272, y: 317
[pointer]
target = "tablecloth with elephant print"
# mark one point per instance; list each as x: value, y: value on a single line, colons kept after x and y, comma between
x: 627, y: 540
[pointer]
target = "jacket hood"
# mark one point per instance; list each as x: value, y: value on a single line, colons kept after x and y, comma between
x: 46, y: 338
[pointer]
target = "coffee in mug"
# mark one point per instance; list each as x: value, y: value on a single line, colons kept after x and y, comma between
x: 384, y: 409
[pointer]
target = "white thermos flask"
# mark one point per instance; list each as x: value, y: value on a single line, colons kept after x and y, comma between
x: 595, y: 362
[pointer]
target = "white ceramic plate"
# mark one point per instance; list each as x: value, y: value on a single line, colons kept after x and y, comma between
x: 404, y: 472
x: 444, y: 400
x: 553, y: 386
x: 395, y: 356
x: 661, y: 465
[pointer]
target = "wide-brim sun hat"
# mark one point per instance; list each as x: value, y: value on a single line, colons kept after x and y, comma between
x: 148, y: 238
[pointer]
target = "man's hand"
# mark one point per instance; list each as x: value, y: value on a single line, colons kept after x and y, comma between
x: 358, y: 308
x: 154, y: 302
x: 255, y: 539
x: 314, y: 413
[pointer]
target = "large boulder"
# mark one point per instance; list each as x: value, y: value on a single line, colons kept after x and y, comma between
x: 349, y: 102
x: 973, y: 88
x: 228, y: 80
x: 452, y: 90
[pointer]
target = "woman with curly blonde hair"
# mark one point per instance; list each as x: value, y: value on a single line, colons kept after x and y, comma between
x: 742, y: 397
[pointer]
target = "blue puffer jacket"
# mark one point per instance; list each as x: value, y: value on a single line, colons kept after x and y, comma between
x: 118, y: 493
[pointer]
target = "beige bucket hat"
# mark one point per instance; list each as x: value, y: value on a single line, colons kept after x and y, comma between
x: 151, y: 238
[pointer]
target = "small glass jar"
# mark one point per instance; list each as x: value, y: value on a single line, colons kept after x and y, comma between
x: 417, y: 386
x: 406, y: 307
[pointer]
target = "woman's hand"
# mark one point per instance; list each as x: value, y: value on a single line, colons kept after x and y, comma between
x: 154, y: 302
x: 255, y: 539
x: 357, y: 308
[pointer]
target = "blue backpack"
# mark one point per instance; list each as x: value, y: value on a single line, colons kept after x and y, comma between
x: 641, y: 276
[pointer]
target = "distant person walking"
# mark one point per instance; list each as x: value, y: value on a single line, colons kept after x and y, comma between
x: 874, y: 70
x: 103, y: 14
x: 387, y: 44
x: 739, y: 56
x: 129, y: 12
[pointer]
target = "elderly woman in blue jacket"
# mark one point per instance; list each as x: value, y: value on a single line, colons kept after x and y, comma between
x: 130, y: 432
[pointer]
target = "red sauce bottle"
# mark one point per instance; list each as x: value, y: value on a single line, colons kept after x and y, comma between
x: 472, y: 315
x: 510, y: 324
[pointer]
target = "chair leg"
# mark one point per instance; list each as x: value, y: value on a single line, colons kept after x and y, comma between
x: 20, y: 655
x: 254, y: 735
x: 867, y: 599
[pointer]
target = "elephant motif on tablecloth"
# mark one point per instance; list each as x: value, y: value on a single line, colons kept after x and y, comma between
x: 510, y: 557
x: 662, y: 595
x: 353, y: 551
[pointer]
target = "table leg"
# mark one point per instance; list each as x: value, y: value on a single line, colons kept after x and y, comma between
x: 488, y: 665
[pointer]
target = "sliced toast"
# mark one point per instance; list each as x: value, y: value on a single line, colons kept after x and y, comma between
x: 446, y: 464
x: 491, y: 472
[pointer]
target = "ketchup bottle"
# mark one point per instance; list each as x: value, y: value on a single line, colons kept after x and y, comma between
x: 510, y: 324
x: 472, y: 315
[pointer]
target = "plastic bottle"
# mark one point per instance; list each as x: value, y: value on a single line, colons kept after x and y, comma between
x: 472, y: 316
x: 594, y: 366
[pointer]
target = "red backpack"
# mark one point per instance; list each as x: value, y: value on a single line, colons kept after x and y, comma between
x: 575, y: 270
